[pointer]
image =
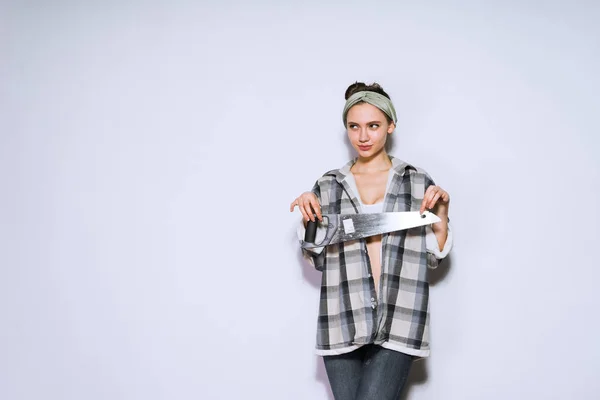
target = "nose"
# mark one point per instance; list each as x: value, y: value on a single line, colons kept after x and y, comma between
x: 363, y: 137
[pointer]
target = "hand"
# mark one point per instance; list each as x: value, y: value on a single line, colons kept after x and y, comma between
x: 437, y: 200
x: 309, y: 205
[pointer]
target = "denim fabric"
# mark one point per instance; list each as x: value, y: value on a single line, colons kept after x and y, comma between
x: 370, y: 372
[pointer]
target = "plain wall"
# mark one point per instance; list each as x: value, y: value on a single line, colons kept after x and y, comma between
x: 149, y: 152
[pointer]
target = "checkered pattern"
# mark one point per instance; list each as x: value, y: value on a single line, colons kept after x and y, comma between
x: 350, y: 312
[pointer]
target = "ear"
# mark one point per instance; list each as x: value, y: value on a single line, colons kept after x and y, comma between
x: 391, y: 128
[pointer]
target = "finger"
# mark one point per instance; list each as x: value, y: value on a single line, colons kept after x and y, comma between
x: 317, y: 208
x: 434, y: 200
x: 430, y: 189
x: 293, y: 205
x: 303, y: 211
x: 444, y: 195
x: 423, y: 205
x: 426, y: 200
x: 429, y: 194
x: 310, y: 214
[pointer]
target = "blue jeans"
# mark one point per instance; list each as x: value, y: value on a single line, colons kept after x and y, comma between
x: 370, y: 372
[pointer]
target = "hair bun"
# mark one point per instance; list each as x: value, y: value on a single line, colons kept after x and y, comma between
x: 361, y: 87
x: 355, y: 87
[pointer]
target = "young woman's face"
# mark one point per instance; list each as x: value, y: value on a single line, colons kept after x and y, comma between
x: 367, y: 128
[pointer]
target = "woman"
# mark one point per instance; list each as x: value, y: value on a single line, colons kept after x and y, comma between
x: 374, y: 311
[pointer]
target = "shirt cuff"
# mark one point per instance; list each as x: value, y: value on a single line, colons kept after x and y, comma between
x: 433, y: 246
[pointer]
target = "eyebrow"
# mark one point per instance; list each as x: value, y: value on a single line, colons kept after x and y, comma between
x: 368, y: 123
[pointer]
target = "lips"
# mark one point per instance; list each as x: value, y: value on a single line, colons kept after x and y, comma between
x: 365, y: 148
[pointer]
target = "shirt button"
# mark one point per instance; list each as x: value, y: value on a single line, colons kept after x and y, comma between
x: 372, y: 298
x: 369, y: 275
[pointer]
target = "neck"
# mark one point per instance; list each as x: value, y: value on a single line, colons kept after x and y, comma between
x: 377, y: 162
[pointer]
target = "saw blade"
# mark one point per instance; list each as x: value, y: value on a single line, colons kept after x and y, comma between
x: 338, y: 228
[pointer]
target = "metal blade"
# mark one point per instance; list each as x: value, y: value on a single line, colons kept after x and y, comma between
x: 344, y: 227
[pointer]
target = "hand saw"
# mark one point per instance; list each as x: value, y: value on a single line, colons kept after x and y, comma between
x: 343, y: 227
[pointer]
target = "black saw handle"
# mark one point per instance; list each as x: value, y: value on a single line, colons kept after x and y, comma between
x: 311, y: 231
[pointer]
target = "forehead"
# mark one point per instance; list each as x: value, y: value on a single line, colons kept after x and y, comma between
x: 365, y: 112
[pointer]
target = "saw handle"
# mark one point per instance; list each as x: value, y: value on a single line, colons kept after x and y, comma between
x: 311, y: 232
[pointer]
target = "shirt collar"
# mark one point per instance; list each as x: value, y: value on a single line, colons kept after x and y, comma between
x: 398, y: 166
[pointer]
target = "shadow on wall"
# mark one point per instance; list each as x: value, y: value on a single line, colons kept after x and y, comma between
x: 321, y: 375
x: 418, y: 372
x: 312, y: 276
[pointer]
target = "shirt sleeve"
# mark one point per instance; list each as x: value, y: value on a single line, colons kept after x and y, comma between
x: 432, y: 243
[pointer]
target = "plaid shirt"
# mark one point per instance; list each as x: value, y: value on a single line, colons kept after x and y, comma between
x: 351, y: 313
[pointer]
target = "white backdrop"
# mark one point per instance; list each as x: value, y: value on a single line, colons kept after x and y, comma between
x: 149, y: 152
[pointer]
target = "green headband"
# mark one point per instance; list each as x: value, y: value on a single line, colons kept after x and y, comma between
x: 373, y: 98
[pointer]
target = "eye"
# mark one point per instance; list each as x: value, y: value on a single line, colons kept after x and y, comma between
x: 352, y: 126
x: 374, y: 126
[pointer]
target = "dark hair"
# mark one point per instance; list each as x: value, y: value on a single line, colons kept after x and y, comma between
x: 362, y: 87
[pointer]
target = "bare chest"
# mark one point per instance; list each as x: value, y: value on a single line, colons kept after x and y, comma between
x: 371, y: 186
